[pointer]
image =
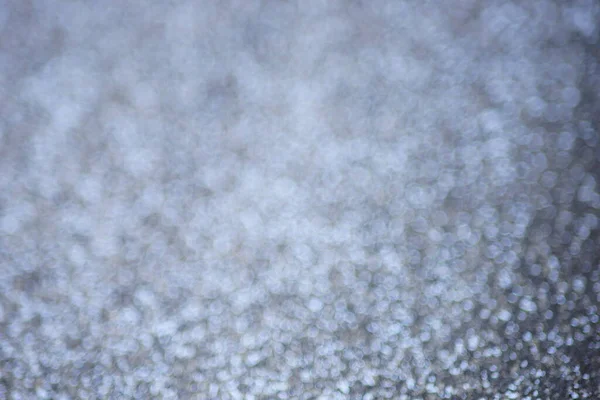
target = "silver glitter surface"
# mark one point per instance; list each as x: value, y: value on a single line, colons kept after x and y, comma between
x: 317, y: 199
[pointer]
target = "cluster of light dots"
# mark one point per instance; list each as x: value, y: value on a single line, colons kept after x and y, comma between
x: 316, y: 200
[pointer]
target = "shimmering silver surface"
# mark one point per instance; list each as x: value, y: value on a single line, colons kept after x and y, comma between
x: 299, y: 199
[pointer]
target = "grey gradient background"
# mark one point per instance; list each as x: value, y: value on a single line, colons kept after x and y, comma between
x: 299, y: 199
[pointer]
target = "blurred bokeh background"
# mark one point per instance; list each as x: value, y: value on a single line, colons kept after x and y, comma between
x: 299, y: 199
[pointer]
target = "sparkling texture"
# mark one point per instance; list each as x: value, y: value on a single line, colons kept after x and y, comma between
x: 299, y: 199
